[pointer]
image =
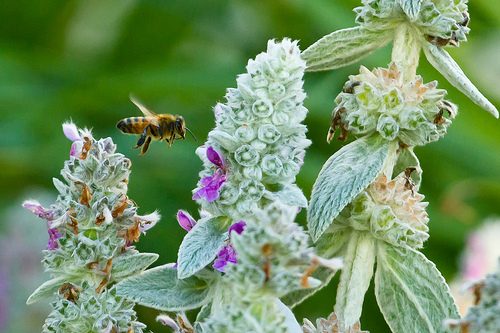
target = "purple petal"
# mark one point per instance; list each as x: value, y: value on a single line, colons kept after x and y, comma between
x: 53, y: 236
x: 71, y: 132
x: 225, y: 255
x: 175, y: 266
x: 35, y: 207
x: 148, y: 221
x: 73, y: 152
x: 237, y: 227
x: 166, y: 320
x: 214, y: 157
x: 186, y: 221
x: 211, y: 186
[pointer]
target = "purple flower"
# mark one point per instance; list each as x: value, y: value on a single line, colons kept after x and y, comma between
x: 237, y: 227
x: 186, y: 221
x: 147, y: 221
x: 166, y: 320
x: 53, y: 236
x: 212, y: 184
x: 35, y: 207
x: 71, y: 132
x: 227, y: 253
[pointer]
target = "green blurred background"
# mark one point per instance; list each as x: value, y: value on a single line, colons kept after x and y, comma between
x: 80, y: 60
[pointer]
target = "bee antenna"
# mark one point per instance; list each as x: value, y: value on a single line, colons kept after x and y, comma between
x: 187, y: 129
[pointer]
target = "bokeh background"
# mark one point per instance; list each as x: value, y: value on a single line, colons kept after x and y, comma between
x: 80, y: 60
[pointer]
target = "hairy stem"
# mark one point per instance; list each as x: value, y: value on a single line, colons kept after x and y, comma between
x: 355, y: 278
x: 406, y: 51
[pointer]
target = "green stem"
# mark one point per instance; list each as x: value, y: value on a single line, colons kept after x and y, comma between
x: 406, y: 51
x: 355, y: 278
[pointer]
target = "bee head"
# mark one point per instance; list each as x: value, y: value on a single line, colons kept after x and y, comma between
x: 180, y: 126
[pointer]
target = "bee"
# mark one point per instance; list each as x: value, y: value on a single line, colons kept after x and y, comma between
x: 153, y: 126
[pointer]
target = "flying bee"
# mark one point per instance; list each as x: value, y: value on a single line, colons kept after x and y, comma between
x: 153, y: 126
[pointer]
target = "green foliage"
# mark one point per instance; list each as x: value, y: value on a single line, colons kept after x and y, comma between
x: 161, y: 289
x: 406, y: 282
x: 179, y: 57
x: 344, y: 175
x: 201, y: 245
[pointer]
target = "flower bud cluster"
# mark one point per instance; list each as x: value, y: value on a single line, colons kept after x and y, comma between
x: 242, y: 316
x: 273, y: 255
x: 441, y: 22
x: 484, y: 316
x: 258, y: 136
x: 274, y: 259
x: 380, y: 101
x: 92, y: 226
x: 88, y: 311
x: 391, y: 210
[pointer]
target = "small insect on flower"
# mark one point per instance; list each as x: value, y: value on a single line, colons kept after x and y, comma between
x: 153, y: 126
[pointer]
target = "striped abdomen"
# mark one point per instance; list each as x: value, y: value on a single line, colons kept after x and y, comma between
x: 133, y: 125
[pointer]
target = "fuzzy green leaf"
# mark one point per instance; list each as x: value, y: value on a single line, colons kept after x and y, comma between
x: 130, y: 264
x: 201, y: 245
x: 411, y: 293
x: 349, y: 171
x: 47, y: 289
x: 204, y: 313
x: 160, y: 288
x: 344, y: 47
x: 333, y: 244
x: 410, y: 7
x: 445, y: 65
x: 355, y: 277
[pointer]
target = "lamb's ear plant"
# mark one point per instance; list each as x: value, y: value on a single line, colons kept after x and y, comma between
x: 366, y: 195
x: 245, y: 255
x: 91, y: 227
x: 245, y: 262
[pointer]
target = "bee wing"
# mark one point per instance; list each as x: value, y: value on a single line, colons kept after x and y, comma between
x: 150, y: 115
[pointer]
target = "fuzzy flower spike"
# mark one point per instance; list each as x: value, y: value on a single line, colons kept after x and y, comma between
x: 92, y: 226
x: 257, y: 146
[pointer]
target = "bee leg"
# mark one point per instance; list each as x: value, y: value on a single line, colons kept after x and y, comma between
x: 172, y: 136
x: 142, y: 138
x: 146, y: 146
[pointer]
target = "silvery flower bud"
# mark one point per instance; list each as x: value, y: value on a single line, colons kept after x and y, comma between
x: 380, y: 101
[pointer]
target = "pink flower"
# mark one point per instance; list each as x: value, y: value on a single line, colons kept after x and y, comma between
x: 147, y: 221
x: 186, y: 221
x: 227, y: 253
x: 35, y: 207
x: 71, y: 132
x: 53, y: 236
x: 212, y: 184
